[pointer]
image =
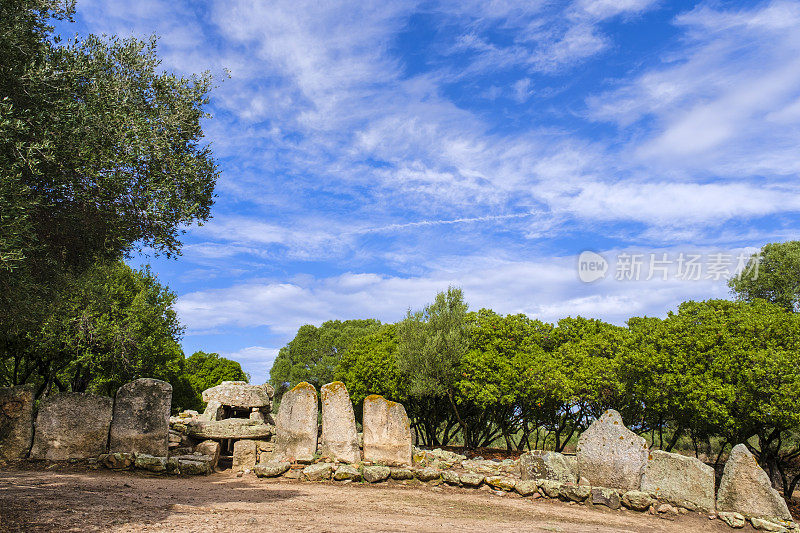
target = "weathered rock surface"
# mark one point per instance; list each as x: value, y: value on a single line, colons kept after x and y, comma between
x: 768, y: 525
x: 214, y: 411
x: 387, y: 432
x: 605, y: 496
x: 72, y: 425
x: 140, y: 422
x: 374, y: 474
x: 117, y: 461
x: 734, y: 520
x: 401, y: 473
x: 550, y: 488
x: 547, y: 465
x: 527, y: 487
x: 239, y: 394
x: 16, y: 422
x: 501, y: 482
x: 210, y: 448
x: 637, y: 500
x: 470, y: 479
x: 574, y: 492
x: 271, y: 468
x: 296, y: 424
x: 681, y: 480
x: 339, y: 435
x: 611, y: 455
x: 347, y: 472
x: 151, y: 463
x: 745, y: 488
x: 318, y: 472
x: 190, y: 465
x: 451, y: 478
x: 230, y: 428
x: 245, y: 454
x: 427, y: 474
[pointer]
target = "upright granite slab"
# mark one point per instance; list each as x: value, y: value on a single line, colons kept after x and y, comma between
x: 16, y: 422
x: 387, y: 432
x: 296, y: 424
x: 339, y: 435
x: 745, y: 488
x: 552, y: 466
x: 680, y: 480
x: 611, y: 455
x: 140, y: 423
x: 72, y: 425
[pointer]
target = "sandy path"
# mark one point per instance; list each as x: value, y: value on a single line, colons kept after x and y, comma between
x: 75, y: 499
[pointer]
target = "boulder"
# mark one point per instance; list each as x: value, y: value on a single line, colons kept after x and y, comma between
x: 451, y: 478
x: 16, y: 422
x: 210, y: 448
x: 296, y: 424
x: 611, y: 455
x: 387, y: 432
x: 318, y: 472
x: 140, y: 422
x: 550, y: 488
x: 527, y: 487
x: 427, y: 474
x: 374, y: 474
x: 605, y: 496
x: 680, y: 480
x: 745, y: 488
x: 768, y: 525
x: 72, y: 425
x: 637, y: 500
x: 547, y: 465
x: 239, y: 394
x: 190, y: 465
x: 117, y: 461
x: 214, y: 411
x: 339, y: 435
x: 501, y: 482
x: 400, y: 473
x: 347, y: 472
x: 574, y: 492
x: 271, y: 468
x: 245, y: 454
x: 470, y: 479
x: 230, y: 428
x: 734, y: 520
x: 151, y: 463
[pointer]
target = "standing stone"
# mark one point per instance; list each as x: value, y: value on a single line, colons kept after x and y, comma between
x: 296, y: 424
x: 680, y: 480
x: 547, y: 465
x: 745, y: 488
x: 387, y: 432
x: 141, y: 418
x: 16, y: 422
x: 210, y: 448
x: 72, y: 425
x: 611, y: 455
x: 245, y: 454
x: 339, y: 435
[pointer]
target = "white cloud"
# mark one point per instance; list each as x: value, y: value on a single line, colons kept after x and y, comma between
x: 255, y: 360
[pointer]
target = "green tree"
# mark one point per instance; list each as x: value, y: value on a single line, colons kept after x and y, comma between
x: 772, y: 274
x: 206, y: 370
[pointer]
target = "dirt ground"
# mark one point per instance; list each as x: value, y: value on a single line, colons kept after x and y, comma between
x: 73, y: 498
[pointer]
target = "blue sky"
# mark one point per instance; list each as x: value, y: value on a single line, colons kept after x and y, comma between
x: 373, y: 153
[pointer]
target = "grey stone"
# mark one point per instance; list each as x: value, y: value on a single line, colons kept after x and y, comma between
x: 427, y: 474
x: 230, y: 428
x: 271, y: 468
x: 680, y: 480
x: 745, y: 488
x: 451, y: 478
x: 117, y: 461
x: 151, y: 463
x: 374, y: 474
x: 214, y: 411
x: 547, y: 465
x: 734, y: 520
x: 72, y: 425
x: 347, y: 472
x: 550, y: 488
x: 387, y: 432
x: 768, y: 525
x: 210, y: 448
x: 140, y: 421
x: 296, y: 428
x: 238, y: 394
x: 401, y: 473
x: 637, y: 500
x: 526, y: 487
x: 191, y: 465
x: 470, y: 479
x: 605, y: 496
x: 339, y: 435
x: 245, y: 454
x: 610, y: 455
x: 575, y: 493
x: 16, y: 422
x: 501, y: 482
x: 318, y: 472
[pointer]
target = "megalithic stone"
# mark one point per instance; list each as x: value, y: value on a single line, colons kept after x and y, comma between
x: 141, y: 418
x: 387, y: 432
x: 296, y: 424
x: 72, y: 425
x: 339, y: 435
x: 16, y: 422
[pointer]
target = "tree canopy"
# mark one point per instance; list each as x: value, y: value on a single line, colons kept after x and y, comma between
x: 772, y: 274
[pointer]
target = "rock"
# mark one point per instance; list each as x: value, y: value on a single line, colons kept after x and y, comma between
x: 451, y: 478
x: 339, y: 435
x: 501, y: 482
x: 611, y: 455
x: 575, y: 493
x: 550, y: 488
x: 72, y: 425
x: 296, y: 428
x: 150, y: 463
x: 210, y: 448
x: 427, y: 474
x: 16, y: 422
x: 400, y: 473
x: 745, y: 488
x: 347, y: 472
x: 140, y: 421
x: 527, y: 487
x: 293, y: 473
x: 680, y: 480
x: 547, y: 465
x: 470, y: 479
x: 387, y: 432
x: 238, y: 394
x: 374, y: 474
x: 438, y: 454
x: 258, y: 416
x: 767, y: 525
x: 271, y: 469
x: 667, y: 509
x: 214, y: 411
x: 191, y: 465
x: 230, y: 428
x: 734, y: 520
x: 245, y: 454
x: 637, y: 500
x: 117, y: 460
x: 605, y: 496
x: 318, y: 472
